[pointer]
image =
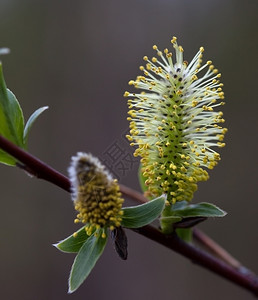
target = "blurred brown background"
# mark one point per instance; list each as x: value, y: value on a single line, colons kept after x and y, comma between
x: 77, y: 57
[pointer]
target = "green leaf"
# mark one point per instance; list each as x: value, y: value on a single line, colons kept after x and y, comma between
x: 170, y: 219
x: 199, y: 210
x: 73, y: 244
x: 7, y: 159
x: 86, y: 259
x: 11, y: 116
x: 30, y: 122
x: 184, y: 211
x: 11, y: 120
x: 141, y: 215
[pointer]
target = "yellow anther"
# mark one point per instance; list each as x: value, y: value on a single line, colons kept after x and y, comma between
x: 194, y: 103
x: 148, y: 66
x: 173, y: 40
x: 194, y: 77
x: 183, y: 169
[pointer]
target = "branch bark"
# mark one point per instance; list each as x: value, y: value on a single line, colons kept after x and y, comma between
x: 41, y: 170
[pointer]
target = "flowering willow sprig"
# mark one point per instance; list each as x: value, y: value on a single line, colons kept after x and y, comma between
x: 97, y: 198
x: 173, y: 122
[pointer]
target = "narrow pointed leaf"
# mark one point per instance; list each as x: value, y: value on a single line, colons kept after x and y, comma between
x: 30, y: 122
x: 144, y: 214
x: 200, y: 210
x: 73, y: 244
x: 85, y: 260
x: 11, y: 120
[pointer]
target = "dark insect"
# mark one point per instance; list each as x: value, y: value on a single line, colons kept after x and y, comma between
x: 119, y: 239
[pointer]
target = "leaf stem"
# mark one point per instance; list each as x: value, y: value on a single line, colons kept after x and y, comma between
x: 41, y: 170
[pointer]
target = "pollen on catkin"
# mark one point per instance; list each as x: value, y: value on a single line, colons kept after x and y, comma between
x: 96, y: 195
x: 174, y: 122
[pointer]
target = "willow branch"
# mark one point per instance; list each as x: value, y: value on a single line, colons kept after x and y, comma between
x: 248, y: 280
x: 34, y: 166
x: 41, y: 170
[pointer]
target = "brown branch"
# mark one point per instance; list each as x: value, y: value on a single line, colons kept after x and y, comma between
x: 246, y: 280
x: 34, y: 166
x: 39, y: 169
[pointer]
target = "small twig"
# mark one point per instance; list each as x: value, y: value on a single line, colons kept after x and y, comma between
x: 246, y: 280
x: 41, y: 170
x: 218, y: 251
x: 126, y: 191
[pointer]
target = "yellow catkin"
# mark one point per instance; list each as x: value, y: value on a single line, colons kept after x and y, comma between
x: 96, y: 195
x: 174, y: 122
